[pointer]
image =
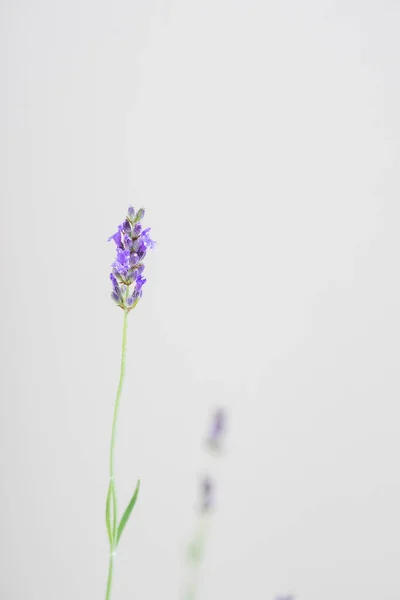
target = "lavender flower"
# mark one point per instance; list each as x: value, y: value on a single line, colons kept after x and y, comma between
x: 127, y: 282
x: 217, y: 429
x: 132, y: 243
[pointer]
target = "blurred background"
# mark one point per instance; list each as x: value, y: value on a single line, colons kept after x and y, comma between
x: 262, y: 137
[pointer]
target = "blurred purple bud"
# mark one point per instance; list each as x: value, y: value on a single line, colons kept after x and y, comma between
x: 217, y: 430
x: 207, y: 494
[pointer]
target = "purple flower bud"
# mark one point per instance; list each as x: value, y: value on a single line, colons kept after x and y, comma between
x: 115, y: 297
x: 133, y: 260
x: 126, y: 242
x: 137, y: 229
x: 114, y: 280
x: 141, y: 252
x: 136, y: 244
x: 140, y: 281
x: 131, y: 213
x: 126, y: 226
x: 139, y: 215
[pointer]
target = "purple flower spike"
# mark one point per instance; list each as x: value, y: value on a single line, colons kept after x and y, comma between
x: 132, y: 243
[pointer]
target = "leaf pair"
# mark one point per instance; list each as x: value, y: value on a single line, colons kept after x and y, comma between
x: 114, y: 531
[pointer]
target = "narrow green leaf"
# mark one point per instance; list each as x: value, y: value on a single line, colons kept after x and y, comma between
x: 111, y: 507
x: 114, y: 524
x: 108, y: 516
x: 128, y: 511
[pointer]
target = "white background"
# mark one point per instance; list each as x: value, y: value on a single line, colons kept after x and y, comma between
x: 263, y: 139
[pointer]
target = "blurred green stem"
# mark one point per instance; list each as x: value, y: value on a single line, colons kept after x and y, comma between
x: 195, y: 557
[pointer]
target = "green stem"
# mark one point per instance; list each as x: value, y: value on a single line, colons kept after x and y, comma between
x: 119, y: 392
x: 110, y: 576
x: 113, y: 542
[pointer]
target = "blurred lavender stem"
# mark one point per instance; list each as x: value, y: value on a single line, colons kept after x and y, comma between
x: 206, y: 505
x: 195, y: 557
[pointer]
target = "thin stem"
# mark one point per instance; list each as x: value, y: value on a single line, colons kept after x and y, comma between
x: 119, y: 392
x: 110, y: 577
x: 113, y: 542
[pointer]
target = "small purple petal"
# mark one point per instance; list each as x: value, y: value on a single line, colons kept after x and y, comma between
x: 117, y: 236
x: 140, y: 281
x: 121, y: 263
x: 147, y: 239
x: 131, y: 212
